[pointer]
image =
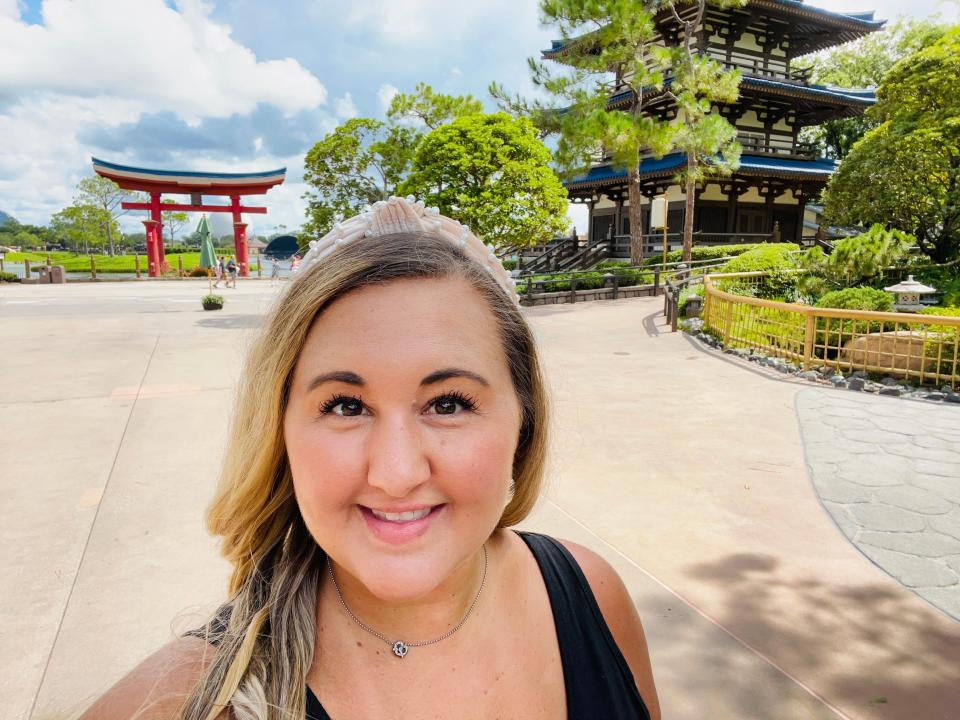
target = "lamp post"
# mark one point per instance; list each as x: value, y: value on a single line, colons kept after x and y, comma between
x: 908, y: 294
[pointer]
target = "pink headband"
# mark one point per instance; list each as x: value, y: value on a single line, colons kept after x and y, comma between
x: 399, y: 215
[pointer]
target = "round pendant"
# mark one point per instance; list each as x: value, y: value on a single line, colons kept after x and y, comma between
x: 399, y: 648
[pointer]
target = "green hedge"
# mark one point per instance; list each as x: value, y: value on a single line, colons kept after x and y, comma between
x: 776, y: 259
x: 9, y: 277
x: 858, y: 298
x: 715, y: 252
x: 587, y: 280
x: 950, y: 311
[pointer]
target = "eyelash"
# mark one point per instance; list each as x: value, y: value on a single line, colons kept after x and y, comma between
x: 466, y: 401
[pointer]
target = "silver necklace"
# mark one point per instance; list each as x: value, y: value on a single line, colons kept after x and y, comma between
x: 400, y: 647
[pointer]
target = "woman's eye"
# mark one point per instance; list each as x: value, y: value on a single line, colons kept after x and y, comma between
x: 447, y: 405
x: 343, y: 406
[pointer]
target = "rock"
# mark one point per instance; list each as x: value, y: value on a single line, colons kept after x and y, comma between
x: 946, y: 389
x: 860, y: 374
x: 837, y: 380
x: 871, y: 387
x: 810, y: 375
x: 827, y: 372
x: 900, y: 350
x: 856, y: 383
x: 891, y: 391
x: 889, y: 381
x: 785, y: 369
x: 933, y: 395
x: 952, y: 398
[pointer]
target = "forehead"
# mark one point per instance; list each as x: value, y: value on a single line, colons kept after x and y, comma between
x: 413, y: 324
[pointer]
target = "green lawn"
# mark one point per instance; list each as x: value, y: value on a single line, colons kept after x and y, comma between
x: 105, y: 263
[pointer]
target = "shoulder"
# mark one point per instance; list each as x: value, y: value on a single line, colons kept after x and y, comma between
x: 157, y: 688
x: 621, y: 616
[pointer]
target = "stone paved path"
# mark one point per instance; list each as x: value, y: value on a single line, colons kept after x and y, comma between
x: 888, y: 472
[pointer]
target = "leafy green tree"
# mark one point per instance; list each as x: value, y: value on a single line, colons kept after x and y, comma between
x: 707, y: 139
x: 360, y: 162
x: 82, y: 226
x: 365, y: 160
x: 491, y: 172
x: 860, y: 64
x: 105, y: 194
x: 610, y: 46
x: 905, y: 173
x: 431, y: 108
x: 856, y: 260
x: 614, y: 46
x: 173, y: 220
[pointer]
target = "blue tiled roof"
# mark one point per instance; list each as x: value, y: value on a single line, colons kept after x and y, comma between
x: 864, y: 19
x: 749, y: 165
x: 854, y: 96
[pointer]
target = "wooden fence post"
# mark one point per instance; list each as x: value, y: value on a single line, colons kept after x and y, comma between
x: 136, y: 265
x: 93, y: 267
x: 808, y: 337
x: 728, y: 323
x: 573, y: 287
x: 180, y: 265
x: 656, y: 281
x: 26, y: 269
x: 259, y: 264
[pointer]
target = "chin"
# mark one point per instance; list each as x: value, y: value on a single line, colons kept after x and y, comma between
x: 398, y: 579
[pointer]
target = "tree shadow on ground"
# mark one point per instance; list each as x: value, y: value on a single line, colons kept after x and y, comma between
x: 873, y: 650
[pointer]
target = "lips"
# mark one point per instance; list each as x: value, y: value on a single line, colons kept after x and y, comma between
x: 401, y: 527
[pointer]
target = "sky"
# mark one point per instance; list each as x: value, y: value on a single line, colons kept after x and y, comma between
x: 243, y: 85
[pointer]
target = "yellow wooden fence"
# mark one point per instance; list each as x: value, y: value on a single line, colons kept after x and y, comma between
x: 907, y: 345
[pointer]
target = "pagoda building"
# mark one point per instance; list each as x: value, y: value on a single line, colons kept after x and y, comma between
x: 778, y: 172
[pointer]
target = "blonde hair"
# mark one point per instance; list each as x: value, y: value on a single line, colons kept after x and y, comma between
x: 265, y: 634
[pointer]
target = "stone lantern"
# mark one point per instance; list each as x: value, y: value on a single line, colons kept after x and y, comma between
x: 908, y: 294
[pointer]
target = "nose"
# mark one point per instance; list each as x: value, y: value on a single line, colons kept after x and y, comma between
x: 398, y: 463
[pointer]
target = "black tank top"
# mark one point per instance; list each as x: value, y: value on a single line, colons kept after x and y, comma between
x: 596, y: 677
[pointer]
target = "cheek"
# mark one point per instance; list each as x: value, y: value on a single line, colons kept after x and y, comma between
x: 326, y: 470
x: 477, y: 465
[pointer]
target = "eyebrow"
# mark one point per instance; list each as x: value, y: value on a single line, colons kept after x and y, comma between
x: 351, y: 378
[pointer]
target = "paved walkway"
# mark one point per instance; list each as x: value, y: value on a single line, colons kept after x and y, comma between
x: 888, y: 471
x: 682, y: 466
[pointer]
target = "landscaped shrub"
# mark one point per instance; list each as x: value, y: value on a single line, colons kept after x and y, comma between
x: 777, y: 260
x: 509, y: 264
x: 685, y: 294
x: 942, y: 347
x: 715, y: 252
x: 834, y: 333
x: 858, y: 298
x: 200, y: 272
x: 945, y: 279
x: 9, y: 277
x: 949, y: 311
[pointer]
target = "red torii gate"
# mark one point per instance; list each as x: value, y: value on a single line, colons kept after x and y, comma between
x: 196, y: 185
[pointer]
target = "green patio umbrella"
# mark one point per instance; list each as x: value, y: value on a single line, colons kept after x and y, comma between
x: 208, y: 257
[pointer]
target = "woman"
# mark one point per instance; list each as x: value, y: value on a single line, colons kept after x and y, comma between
x: 391, y: 428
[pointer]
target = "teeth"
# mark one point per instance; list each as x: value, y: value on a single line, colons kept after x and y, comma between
x: 402, y: 517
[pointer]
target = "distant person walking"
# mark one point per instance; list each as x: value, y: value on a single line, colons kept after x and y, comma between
x: 232, y: 272
x: 274, y: 269
x: 218, y: 271
x: 295, y: 264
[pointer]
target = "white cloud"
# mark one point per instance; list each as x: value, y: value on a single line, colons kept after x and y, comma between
x: 455, y: 71
x: 175, y: 60
x: 436, y: 23
x: 385, y: 95
x: 344, y: 107
x: 106, y: 63
x: 10, y: 9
